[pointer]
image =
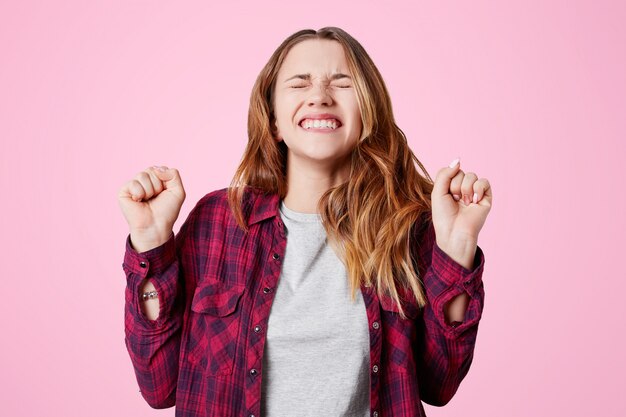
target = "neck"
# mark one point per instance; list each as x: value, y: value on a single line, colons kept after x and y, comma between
x: 308, y: 180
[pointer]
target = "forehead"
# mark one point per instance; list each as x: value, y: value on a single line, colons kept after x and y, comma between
x: 320, y: 57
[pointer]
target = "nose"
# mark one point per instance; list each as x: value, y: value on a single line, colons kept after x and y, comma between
x: 320, y: 95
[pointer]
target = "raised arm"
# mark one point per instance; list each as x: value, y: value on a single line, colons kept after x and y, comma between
x: 154, y: 259
x: 445, y: 351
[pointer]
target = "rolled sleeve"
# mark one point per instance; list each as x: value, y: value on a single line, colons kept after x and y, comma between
x: 444, y: 352
x: 151, y: 262
x: 448, y: 279
x: 160, y: 266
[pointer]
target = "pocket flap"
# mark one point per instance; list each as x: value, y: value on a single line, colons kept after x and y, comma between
x: 216, y: 299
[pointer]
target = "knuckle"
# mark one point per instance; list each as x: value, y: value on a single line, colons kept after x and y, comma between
x: 136, y: 188
x: 153, y: 177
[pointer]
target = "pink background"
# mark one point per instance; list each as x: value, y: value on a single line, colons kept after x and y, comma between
x: 530, y: 94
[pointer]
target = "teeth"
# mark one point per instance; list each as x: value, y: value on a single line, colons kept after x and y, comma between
x: 323, y: 124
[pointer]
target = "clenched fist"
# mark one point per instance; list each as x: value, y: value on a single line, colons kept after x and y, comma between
x: 151, y: 203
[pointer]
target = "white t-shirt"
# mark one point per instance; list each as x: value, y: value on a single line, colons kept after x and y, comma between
x: 316, y: 357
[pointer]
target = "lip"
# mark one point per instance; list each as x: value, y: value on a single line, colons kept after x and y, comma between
x: 319, y: 116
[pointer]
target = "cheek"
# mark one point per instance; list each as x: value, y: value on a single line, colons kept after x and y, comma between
x: 356, y: 112
x: 356, y: 121
x: 284, y: 112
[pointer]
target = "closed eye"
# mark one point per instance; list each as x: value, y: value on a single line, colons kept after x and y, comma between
x: 304, y: 86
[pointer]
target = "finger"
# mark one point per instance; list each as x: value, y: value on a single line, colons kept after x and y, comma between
x: 482, y: 188
x: 455, y: 185
x: 467, y: 187
x: 144, y: 179
x: 157, y: 184
x: 135, y: 190
x: 444, y: 176
x: 488, y: 189
x: 170, y: 178
x: 128, y: 190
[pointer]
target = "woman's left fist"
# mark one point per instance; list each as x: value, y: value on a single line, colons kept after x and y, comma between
x: 460, y: 204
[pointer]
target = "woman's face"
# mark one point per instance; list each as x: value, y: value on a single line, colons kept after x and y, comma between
x: 314, y: 84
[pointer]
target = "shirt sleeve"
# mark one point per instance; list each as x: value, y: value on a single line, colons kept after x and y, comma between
x: 444, y: 351
x: 154, y: 345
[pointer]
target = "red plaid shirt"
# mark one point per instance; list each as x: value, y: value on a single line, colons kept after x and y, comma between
x: 216, y: 285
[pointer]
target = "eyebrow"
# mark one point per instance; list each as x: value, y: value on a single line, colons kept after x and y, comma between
x: 307, y: 77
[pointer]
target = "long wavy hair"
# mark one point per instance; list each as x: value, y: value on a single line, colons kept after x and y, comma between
x: 368, y: 219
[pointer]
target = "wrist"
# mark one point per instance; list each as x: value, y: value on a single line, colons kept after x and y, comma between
x: 145, y: 240
x: 461, y: 250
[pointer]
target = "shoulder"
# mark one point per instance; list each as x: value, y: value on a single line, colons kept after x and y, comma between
x: 215, y: 203
x: 214, y: 199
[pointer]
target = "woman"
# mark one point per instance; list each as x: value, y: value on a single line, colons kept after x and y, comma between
x: 330, y: 278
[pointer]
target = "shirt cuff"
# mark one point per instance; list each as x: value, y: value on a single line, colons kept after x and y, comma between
x: 151, y: 262
x: 452, y: 279
x: 451, y: 273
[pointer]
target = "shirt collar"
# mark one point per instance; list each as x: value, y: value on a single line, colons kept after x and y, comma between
x: 264, y: 205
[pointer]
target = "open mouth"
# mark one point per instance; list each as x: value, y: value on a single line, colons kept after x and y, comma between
x: 320, y: 125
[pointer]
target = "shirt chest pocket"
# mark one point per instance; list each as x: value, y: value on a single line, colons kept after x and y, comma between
x: 214, y: 328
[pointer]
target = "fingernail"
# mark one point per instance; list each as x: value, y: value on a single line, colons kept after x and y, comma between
x: 475, y: 199
x: 162, y: 168
x: 454, y: 163
x: 466, y: 199
x: 456, y: 197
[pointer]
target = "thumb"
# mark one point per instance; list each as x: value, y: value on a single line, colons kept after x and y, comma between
x: 444, y: 177
x: 169, y: 177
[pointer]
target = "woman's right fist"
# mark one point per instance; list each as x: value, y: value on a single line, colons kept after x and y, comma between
x: 151, y: 203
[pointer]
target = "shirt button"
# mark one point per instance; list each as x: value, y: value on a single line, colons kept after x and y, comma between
x: 468, y: 282
x: 251, y: 415
x: 253, y: 372
x: 266, y: 290
x: 375, y: 325
x: 142, y: 264
x: 275, y: 256
x: 257, y: 328
x: 375, y: 414
x: 375, y: 368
